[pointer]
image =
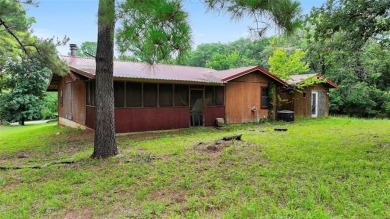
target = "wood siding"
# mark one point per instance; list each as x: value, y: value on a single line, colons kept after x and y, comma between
x: 71, y: 100
x: 243, y: 94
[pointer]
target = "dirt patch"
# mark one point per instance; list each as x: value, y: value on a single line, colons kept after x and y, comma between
x: 216, y: 146
x: 84, y: 212
x: 172, y: 197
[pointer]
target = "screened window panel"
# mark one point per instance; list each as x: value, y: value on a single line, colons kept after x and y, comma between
x: 165, y: 95
x: 88, y: 88
x: 92, y: 90
x: 264, y: 97
x: 150, y: 95
x: 209, y: 96
x: 181, y: 95
x: 119, y: 93
x: 133, y: 94
x: 219, y: 96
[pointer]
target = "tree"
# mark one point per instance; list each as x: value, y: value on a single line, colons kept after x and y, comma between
x: 50, y: 105
x: 203, y: 53
x: 105, y: 144
x: 27, y: 83
x: 17, y: 42
x: 283, y: 64
x: 251, y: 52
x: 359, y: 20
x: 232, y: 60
x: 154, y: 30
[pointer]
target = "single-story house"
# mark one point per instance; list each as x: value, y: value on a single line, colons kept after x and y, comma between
x: 308, y: 101
x: 159, y: 96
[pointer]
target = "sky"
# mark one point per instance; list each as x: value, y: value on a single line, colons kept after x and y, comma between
x: 77, y: 20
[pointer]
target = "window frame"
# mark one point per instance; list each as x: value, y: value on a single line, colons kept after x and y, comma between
x: 266, y: 89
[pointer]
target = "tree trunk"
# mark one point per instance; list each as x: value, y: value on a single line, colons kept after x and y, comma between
x: 21, y: 121
x: 105, y: 145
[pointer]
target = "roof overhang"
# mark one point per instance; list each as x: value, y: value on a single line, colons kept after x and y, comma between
x: 329, y: 82
x: 82, y: 72
x: 55, y: 80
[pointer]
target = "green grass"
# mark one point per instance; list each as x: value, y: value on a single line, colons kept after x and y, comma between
x: 323, y: 168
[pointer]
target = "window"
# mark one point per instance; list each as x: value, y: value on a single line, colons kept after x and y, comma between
x: 165, y: 95
x: 119, y: 93
x: 264, y: 97
x: 181, y: 95
x: 133, y: 94
x: 219, y: 96
x: 91, y: 93
x: 150, y: 95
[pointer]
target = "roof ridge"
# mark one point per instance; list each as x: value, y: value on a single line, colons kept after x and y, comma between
x: 132, y: 62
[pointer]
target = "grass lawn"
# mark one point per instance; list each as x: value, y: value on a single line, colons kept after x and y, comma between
x: 320, y: 168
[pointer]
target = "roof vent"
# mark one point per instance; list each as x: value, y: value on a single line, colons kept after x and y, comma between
x: 73, y: 50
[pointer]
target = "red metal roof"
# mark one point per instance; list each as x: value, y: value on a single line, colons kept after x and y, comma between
x: 139, y: 70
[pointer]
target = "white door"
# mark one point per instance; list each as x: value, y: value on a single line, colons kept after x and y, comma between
x: 314, y: 104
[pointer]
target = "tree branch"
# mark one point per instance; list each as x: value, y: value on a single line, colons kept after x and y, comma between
x: 37, y: 166
x: 89, y: 54
x: 8, y: 29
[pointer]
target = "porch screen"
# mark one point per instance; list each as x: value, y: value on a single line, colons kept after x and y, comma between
x: 219, y: 96
x: 133, y: 94
x: 181, y: 95
x: 166, y: 95
x: 209, y: 96
x: 119, y: 93
x: 150, y: 95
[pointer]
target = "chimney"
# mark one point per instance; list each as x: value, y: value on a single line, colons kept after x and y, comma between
x: 73, y: 50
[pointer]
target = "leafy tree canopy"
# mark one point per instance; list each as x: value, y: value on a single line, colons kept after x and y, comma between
x: 284, y: 64
x: 17, y: 42
x: 87, y: 49
x: 26, y: 87
x: 232, y: 60
x: 153, y: 30
x: 360, y: 20
x: 283, y: 13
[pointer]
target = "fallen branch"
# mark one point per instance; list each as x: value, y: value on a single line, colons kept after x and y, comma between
x: 232, y: 137
x: 280, y: 129
x: 36, y: 167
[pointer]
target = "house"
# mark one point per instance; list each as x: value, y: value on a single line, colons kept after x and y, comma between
x: 307, y: 101
x: 158, y: 97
